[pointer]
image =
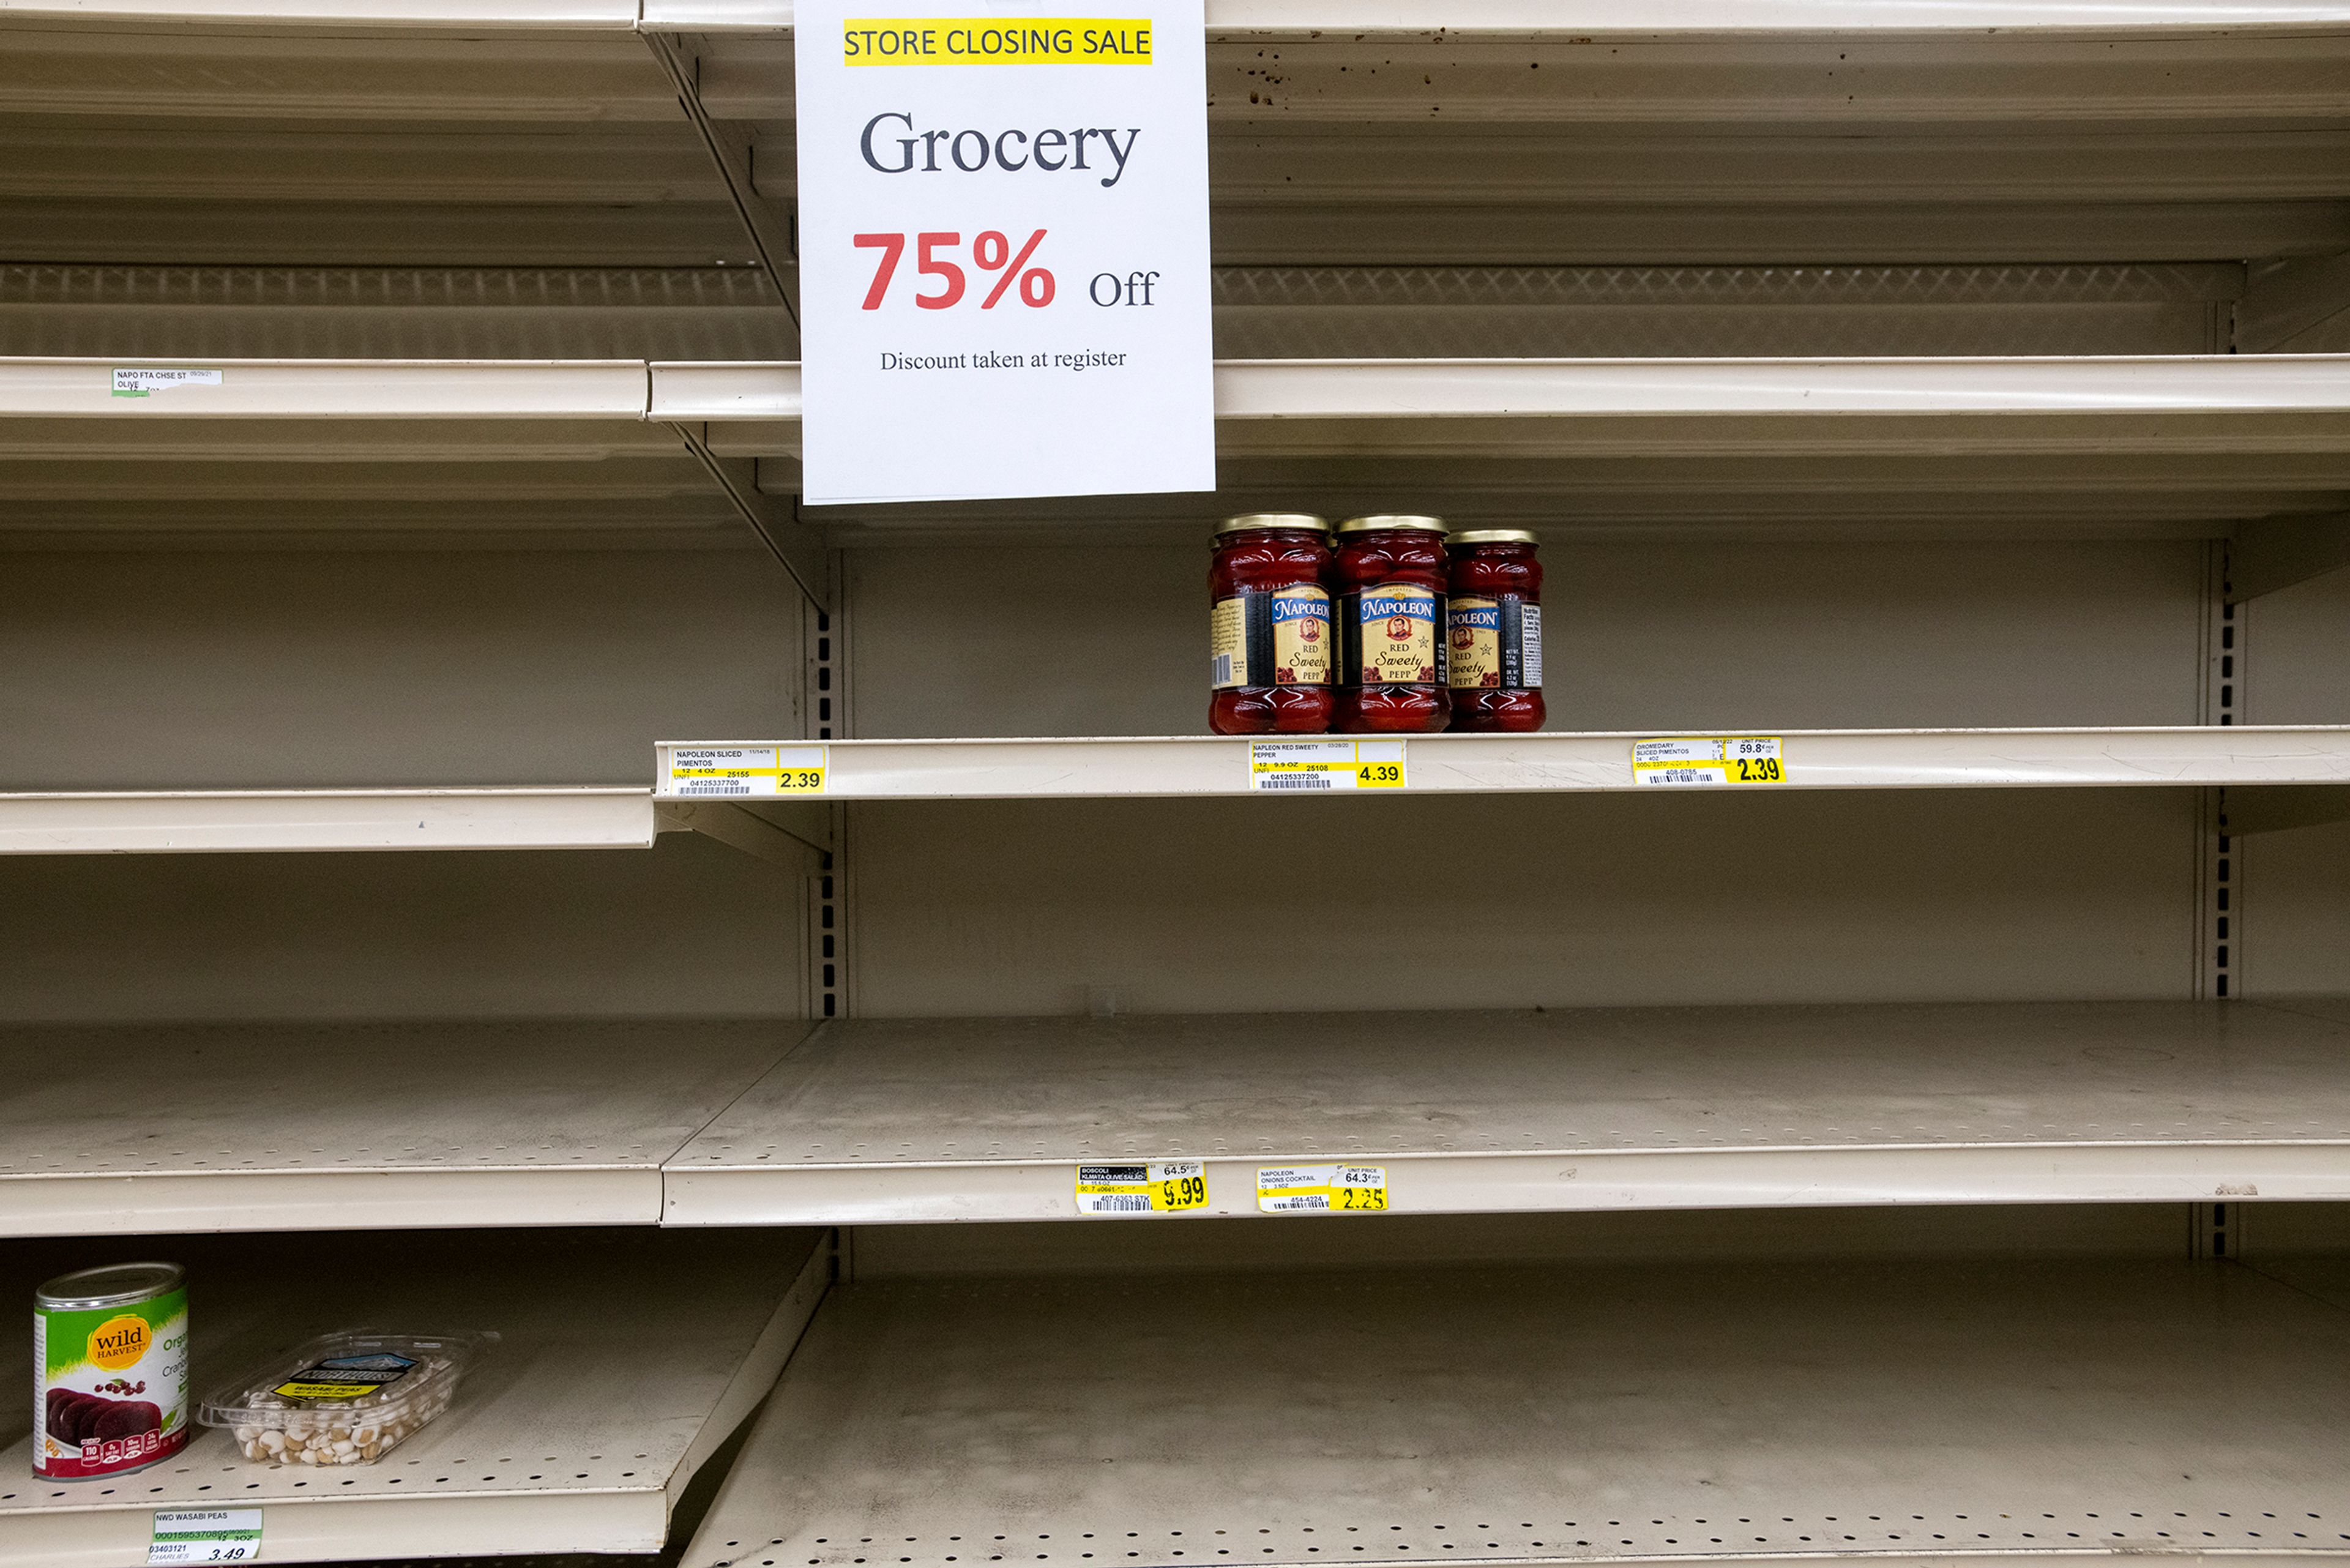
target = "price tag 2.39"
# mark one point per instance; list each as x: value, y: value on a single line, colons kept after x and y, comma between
x: 205, y: 1535
x: 1325, y: 765
x: 1161, y: 1187
x: 744, y: 772
x: 1321, y: 1189
x: 1710, y: 759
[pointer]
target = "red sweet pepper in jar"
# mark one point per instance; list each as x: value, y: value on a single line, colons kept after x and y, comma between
x: 1493, y: 630
x: 1269, y: 633
x: 1389, y: 578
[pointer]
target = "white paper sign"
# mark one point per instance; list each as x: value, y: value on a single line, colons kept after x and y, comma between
x: 205, y: 1535
x: 1004, y: 250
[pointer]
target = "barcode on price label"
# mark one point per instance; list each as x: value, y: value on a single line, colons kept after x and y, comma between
x: 205, y: 1535
x: 753, y: 771
x: 1710, y: 759
x: 1161, y: 1187
x: 1322, y: 1189
x: 1325, y: 765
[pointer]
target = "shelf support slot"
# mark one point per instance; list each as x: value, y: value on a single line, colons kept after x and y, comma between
x: 2272, y: 553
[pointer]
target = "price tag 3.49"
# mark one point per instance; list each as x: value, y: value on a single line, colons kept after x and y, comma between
x: 1325, y: 765
x: 1161, y: 1187
x: 742, y: 771
x: 1710, y: 759
x: 1322, y: 1190
x: 204, y: 1535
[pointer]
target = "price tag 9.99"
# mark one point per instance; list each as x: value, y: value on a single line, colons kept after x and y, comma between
x: 1161, y: 1187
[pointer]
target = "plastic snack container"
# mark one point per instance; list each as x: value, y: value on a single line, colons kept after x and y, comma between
x: 344, y: 1398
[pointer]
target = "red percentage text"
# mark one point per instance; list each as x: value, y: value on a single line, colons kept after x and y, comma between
x: 991, y: 252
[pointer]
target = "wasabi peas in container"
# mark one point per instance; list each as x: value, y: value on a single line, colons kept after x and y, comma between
x: 345, y: 1399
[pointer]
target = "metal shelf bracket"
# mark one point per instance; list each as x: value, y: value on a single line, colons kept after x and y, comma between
x: 770, y: 233
x: 792, y: 541
x: 797, y: 835
x: 2272, y: 553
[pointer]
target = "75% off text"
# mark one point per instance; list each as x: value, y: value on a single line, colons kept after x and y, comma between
x: 990, y: 253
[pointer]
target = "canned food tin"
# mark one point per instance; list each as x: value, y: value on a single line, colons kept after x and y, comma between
x: 109, y: 1370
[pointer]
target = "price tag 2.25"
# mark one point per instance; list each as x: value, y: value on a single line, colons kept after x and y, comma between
x: 1710, y: 759
x: 1160, y: 1187
x: 1322, y: 1190
x: 739, y: 773
x: 204, y: 1535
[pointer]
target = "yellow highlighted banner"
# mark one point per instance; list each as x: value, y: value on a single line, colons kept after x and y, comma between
x: 985, y: 41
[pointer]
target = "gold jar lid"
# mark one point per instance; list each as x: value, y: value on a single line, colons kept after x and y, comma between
x: 1494, y: 536
x: 1259, y: 522
x: 1384, y: 520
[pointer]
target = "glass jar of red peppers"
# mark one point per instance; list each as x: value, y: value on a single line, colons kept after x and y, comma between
x: 1269, y: 632
x: 1389, y: 581
x: 1493, y: 630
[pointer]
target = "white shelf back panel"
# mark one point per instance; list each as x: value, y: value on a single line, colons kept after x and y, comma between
x: 1661, y: 638
x: 364, y: 668
x: 690, y: 928
x: 1033, y: 907
x: 2003, y: 1230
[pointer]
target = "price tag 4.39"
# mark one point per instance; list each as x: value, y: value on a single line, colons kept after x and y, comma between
x: 204, y: 1535
x: 1710, y: 759
x: 1161, y: 1187
x: 741, y: 773
x: 1325, y: 765
x: 1322, y: 1190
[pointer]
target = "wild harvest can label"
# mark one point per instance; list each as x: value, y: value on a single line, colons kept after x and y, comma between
x: 110, y: 1386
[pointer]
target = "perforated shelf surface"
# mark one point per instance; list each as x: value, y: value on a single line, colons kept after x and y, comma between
x: 624, y: 1361
x: 2036, y: 1411
x: 344, y: 1127
x: 880, y: 1120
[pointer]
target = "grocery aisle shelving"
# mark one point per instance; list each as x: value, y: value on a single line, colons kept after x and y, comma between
x: 1887, y: 366
x: 260, y: 1127
x: 1551, y: 760
x: 622, y: 1364
x: 2033, y: 1412
x: 877, y: 1121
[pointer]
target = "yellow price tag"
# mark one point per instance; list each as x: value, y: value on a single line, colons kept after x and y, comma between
x: 744, y: 772
x: 1161, y: 1187
x: 1322, y: 1189
x: 1686, y: 760
x: 1326, y: 765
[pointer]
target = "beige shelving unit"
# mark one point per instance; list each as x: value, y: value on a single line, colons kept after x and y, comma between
x: 1942, y: 1152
